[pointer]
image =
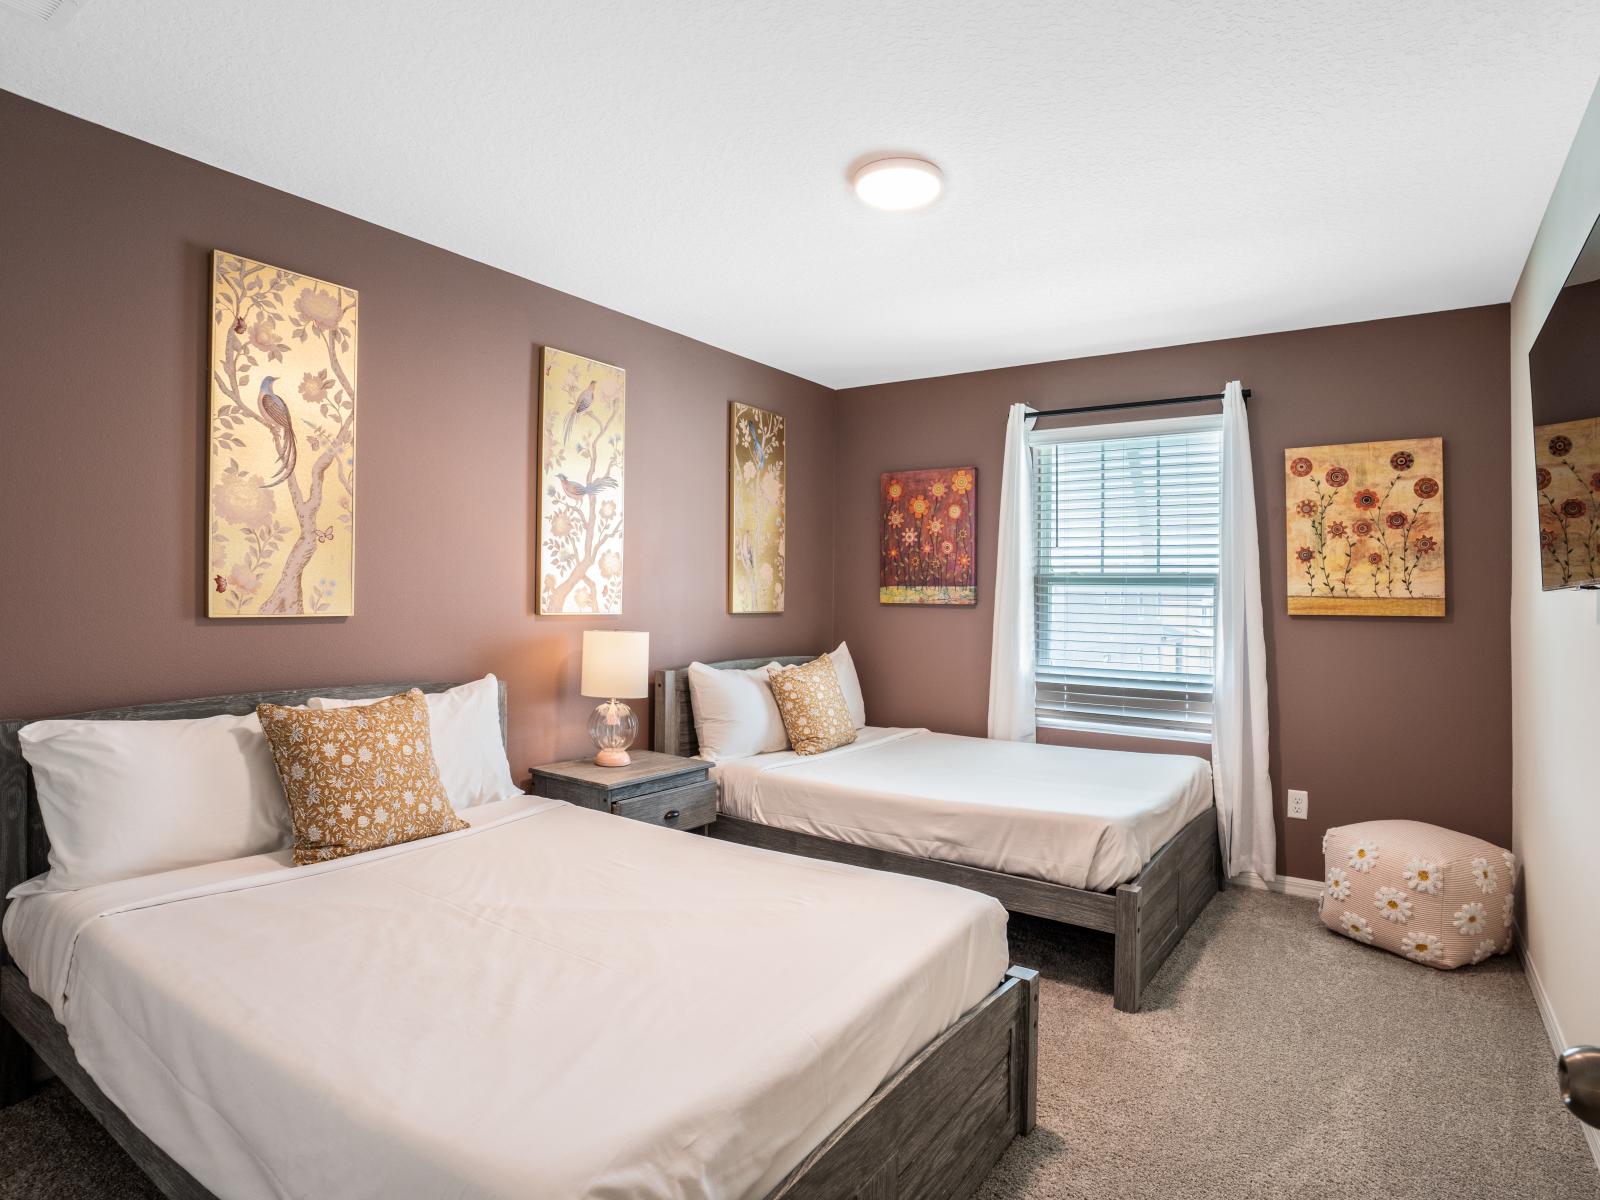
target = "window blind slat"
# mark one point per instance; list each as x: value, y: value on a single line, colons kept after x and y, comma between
x: 1126, y: 556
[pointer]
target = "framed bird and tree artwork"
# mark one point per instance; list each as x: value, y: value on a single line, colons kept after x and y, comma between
x: 282, y: 442
x: 581, y: 432
x: 757, y: 459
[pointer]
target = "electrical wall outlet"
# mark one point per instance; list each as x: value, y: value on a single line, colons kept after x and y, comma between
x: 1299, y: 804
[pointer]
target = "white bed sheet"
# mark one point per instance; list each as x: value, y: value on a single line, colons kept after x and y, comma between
x: 1084, y: 818
x: 555, y: 1002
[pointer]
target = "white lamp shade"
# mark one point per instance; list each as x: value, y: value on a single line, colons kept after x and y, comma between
x: 615, y: 664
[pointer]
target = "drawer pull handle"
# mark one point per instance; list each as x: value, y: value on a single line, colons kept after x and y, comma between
x: 671, y: 814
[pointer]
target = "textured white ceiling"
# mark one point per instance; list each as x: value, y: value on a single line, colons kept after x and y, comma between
x: 1119, y: 174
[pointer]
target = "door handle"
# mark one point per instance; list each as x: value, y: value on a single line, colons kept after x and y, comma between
x: 1578, y: 1073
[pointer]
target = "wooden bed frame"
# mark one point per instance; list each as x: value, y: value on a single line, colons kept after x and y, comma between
x: 934, y: 1129
x: 1147, y: 916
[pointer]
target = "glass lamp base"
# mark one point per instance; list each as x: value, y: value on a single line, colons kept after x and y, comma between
x: 613, y: 727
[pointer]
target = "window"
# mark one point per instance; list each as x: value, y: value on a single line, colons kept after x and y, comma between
x: 1125, y: 576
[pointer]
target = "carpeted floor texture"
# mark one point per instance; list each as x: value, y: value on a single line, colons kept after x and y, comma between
x: 1274, y: 1059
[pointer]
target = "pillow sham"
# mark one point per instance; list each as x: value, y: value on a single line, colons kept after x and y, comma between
x: 813, y: 706
x: 850, y: 684
x: 126, y: 798
x: 358, y: 778
x: 464, y: 723
x: 735, y: 715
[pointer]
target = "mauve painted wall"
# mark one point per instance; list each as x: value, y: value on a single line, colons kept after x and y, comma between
x: 103, y: 343
x: 1376, y: 717
x: 104, y: 245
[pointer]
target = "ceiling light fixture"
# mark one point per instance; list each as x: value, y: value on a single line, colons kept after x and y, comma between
x: 898, y: 184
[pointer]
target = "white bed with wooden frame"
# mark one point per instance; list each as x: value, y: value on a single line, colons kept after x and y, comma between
x: 954, y: 1091
x: 1147, y: 914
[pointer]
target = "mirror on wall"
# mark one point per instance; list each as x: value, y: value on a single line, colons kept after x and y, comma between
x: 1564, y: 366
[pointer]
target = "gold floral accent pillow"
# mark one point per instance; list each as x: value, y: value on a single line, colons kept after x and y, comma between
x: 358, y: 778
x: 812, y: 705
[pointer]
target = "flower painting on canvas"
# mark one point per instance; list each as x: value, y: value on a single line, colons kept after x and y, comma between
x: 282, y: 443
x: 1567, y: 474
x: 581, y: 404
x: 757, y: 533
x: 1365, y: 529
x: 927, y: 537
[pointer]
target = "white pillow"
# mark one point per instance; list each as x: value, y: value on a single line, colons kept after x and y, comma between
x: 850, y: 685
x: 464, y: 724
x: 735, y: 715
x: 127, y: 798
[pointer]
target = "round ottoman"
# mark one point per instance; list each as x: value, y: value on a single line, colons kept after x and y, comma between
x: 1435, y: 896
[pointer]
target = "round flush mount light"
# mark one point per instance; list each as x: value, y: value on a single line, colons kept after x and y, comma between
x: 898, y: 184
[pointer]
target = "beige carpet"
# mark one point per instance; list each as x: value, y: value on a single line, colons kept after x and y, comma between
x: 1275, y: 1060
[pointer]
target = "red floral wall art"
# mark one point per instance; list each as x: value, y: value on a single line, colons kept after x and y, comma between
x: 1567, y: 474
x: 927, y: 538
x: 1365, y: 529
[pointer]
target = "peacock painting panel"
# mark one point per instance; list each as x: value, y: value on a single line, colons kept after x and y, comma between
x: 581, y: 424
x: 282, y: 439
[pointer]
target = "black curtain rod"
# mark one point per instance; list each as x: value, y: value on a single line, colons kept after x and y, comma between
x: 1094, y: 408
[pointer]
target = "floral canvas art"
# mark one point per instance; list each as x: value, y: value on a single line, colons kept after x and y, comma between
x: 581, y: 405
x: 757, y: 451
x: 927, y: 537
x: 1365, y: 529
x: 282, y: 443
x: 1567, y: 474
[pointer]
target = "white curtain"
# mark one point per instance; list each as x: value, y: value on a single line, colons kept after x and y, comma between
x: 1239, y: 697
x: 1011, y: 698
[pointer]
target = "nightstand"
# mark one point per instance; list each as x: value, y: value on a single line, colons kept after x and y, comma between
x: 662, y: 789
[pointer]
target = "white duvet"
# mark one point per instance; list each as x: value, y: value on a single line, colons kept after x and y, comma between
x: 1084, y: 818
x: 553, y: 1003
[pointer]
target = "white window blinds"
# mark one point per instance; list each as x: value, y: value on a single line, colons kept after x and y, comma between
x: 1125, y: 578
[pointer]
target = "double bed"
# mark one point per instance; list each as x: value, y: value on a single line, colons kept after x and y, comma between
x: 551, y: 1002
x: 1120, y: 842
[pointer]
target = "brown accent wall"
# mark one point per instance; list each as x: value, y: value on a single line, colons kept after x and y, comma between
x: 103, y: 342
x: 1375, y: 717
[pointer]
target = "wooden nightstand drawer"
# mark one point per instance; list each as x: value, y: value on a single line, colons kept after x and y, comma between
x: 649, y: 788
x: 677, y: 808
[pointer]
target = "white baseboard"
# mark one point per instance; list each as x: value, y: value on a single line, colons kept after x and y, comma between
x: 1552, y: 1029
x: 1288, y: 885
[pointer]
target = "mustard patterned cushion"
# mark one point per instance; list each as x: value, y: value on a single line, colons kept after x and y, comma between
x: 358, y: 778
x: 812, y: 705
x: 1435, y: 896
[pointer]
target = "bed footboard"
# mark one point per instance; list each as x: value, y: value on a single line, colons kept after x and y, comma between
x: 1147, y: 915
x: 31, y: 1019
x: 934, y: 1130
x: 16, y: 1063
x: 1154, y: 910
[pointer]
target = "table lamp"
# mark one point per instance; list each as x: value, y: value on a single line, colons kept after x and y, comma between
x: 615, y: 663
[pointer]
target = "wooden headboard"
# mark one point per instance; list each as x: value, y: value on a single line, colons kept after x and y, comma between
x: 675, y: 717
x: 24, y: 846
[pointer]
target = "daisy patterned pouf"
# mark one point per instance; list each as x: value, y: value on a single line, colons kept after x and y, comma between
x: 1438, y: 897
